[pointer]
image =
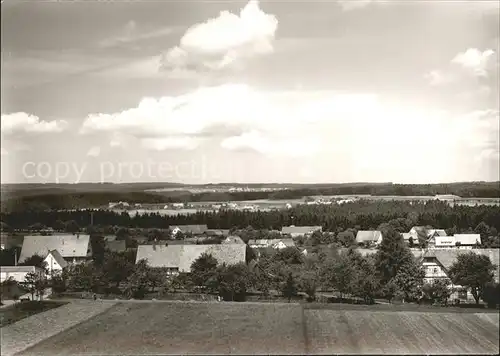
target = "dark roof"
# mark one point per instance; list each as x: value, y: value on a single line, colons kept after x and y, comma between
x: 116, y: 245
x: 59, y: 259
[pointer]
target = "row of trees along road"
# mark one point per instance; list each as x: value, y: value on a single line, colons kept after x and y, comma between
x: 392, y: 272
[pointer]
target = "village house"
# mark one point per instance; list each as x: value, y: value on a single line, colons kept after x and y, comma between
x: 369, y: 237
x: 188, y: 229
x: 72, y: 248
x: 18, y: 273
x: 437, y: 262
x: 277, y: 244
x: 178, y: 258
x: 422, y: 233
x: 460, y: 241
x: 295, y: 231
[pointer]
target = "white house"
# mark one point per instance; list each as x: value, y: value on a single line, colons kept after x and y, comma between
x: 18, y: 273
x: 55, y: 262
x: 72, y: 248
x: 277, y: 244
x: 460, y: 241
x: 369, y: 237
x: 296, y: 231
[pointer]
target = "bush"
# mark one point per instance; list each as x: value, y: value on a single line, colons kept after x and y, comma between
x: 491, y: 295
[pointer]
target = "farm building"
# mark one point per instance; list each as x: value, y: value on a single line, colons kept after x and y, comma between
x: 436, y: 263
x: 55, y: 262
x: 461, y: 241
x: 72, y: 248
x: 271, y: 243
x: 189, y: 229
x: 18, y: 273
x: 368, y: 237
x: 296, y: 231
x: 178, y: 258
x: 233, y: 240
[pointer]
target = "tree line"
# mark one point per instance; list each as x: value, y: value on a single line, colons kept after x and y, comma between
x: 54, y: 197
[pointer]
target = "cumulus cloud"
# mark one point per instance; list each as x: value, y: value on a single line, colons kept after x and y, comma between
x: 223, y: 42
x: 94, y: 151
x: 466, y: 67
x: 22, y: 123
x: 293, y: 123
x: 254, y: 140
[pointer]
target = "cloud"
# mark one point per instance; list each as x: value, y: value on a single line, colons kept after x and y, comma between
x: 130, y: 34
x: 254, y: 140
x: 302, y: 123
x: 19, y: 123
x: 4, y: 152
x: 94, y: 151
x: 470, y: 66
x: 226, y: 41
x: 349, y: 5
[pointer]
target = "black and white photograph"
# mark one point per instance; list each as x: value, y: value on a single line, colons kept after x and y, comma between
x: 250, y: 177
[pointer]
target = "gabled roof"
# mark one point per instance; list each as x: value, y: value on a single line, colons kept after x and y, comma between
x: 69, y: 246
x: 444, y: 241
x: 421, y: 231
x: 26, y: 269
x: 368, y: 236
x: 218, y: 232
x: 436, y: 232
x: 300, y: 229
x: 59, y: 259
x: 233, y: 240
x: 116, y: 245
x: 286, y: 242
x: 182, y: 256
x: 448, y: 256
x: 467, y: 239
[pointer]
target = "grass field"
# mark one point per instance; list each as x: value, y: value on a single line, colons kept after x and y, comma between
x: 252, y: 328
x: 19, y: 311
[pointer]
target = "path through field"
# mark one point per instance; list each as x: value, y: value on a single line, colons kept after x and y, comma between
x: 271, y: 328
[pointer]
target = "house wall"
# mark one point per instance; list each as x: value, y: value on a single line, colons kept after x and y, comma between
x: 52, y: 264
x: 17, y: 276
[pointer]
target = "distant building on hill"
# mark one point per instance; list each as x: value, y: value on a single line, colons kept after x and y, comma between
x: 460, y: 241
x: 188, y: 229
x: 276, y: 244
x: 296, y: 231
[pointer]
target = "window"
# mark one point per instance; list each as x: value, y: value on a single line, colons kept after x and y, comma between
x: 434, y: 270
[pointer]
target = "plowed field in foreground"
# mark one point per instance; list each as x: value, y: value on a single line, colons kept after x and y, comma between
x: 251, y: 328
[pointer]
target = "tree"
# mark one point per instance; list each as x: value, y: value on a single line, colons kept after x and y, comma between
x: 35, y: 260
x: 58, y: 284
x: 409, y: 279
x: 391, y: 255
x: 483, y: 230
x: 98, y: 246
x: 364, y: 281
x: 138, y: 281
x: 491, y: 294
x: 122, y: 233
x: 308, y: 283
x: 289, y: 256
x: 289, y: 288
x: 71, y: 226
x: 472, y: 271
x: 117, y: 267
x: 437, y: 291
x: 33, y: 282
x: 203, y: 272
x: 410, y: 242
x: 59, y: 225
x: 233, y: 281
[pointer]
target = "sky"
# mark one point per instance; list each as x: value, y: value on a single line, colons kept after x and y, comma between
x: 260, y: 91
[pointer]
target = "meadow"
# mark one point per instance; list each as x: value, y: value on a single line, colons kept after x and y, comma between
x: 279, y: 328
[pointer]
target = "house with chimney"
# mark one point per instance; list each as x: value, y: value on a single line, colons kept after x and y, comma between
x: 57, y: 250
